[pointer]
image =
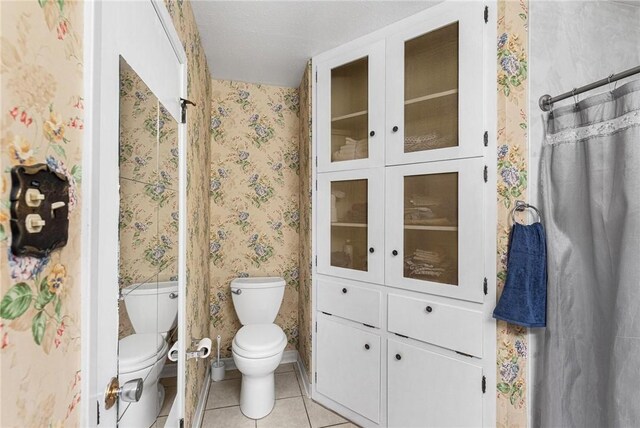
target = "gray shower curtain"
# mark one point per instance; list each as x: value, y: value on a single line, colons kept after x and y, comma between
x: 588, y: 366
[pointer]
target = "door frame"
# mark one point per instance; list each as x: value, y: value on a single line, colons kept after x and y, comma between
x: 100, y: 206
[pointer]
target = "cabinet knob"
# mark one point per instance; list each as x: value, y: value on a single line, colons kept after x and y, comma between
x: 429, y: 309
x: 394, y: 129
x: 366, y: 346
x: 398, y: 357
x: 371, y: 250
x: 372, y: 133
x: 344, y: 291
x: 394, y: 252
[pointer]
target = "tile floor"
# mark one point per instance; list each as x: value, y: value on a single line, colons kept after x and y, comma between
x: 292, y: 410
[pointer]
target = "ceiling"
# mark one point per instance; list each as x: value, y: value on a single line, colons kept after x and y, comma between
x: 270, y: 41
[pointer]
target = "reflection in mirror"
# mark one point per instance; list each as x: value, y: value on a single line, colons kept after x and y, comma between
x: 148, y: 235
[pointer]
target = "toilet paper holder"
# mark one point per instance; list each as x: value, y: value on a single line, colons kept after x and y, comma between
x: 202, y: 348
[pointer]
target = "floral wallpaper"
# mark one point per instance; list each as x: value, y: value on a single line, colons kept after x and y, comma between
x: 42, y: 115
x: 306, y: 188
x: 254, y: 198
x: 512, y: 51
x: 148, y: 223
x: 198, y: 155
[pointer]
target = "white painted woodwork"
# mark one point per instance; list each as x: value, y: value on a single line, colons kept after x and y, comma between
x: 347, y: 299
x: 427, y: 389
x: 348, y: 372
x: 445, y: 325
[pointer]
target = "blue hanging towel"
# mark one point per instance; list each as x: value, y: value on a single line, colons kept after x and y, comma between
x: 524, y: 298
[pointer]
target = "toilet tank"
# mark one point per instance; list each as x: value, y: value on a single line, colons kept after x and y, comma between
x: 257, y: 300
x: 152, y: 307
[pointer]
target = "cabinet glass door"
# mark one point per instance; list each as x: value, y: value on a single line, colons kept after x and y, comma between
x: 350, y: 110
x: 434, y: 227
x: 435, y: 111
x: 350, y: 226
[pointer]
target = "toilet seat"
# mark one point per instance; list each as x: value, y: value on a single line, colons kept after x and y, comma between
x: 259, y: 341
x: 140, y: 350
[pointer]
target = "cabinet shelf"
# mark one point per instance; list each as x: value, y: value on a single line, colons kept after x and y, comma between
x: 436, y: 228
x: 431, y: 97
x: 349, y: 116
x: 341, y: 224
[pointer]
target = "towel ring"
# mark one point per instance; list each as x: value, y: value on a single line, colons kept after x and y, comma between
x: 521, y: 206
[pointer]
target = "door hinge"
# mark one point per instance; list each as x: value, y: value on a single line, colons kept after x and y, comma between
x: 484, y: 384
x: 183, y: 105
x: 181, y: 422
x: 485, y: 174
x: 316, y: 185
x: 316, y: 76
x: 486, y: 14
x: 97, y: 412
x: 316, y: 260
x: 316, y: 326
x: 316, y: 161
x: 486, y: 138
x: 485, y: 286
x: 316, y: 377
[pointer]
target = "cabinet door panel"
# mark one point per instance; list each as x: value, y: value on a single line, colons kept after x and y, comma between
x: 434, y: 99
x: 434, y: 221
x: 427, y: 390
x: 350, y: 110
x: 350, y: 224
x: 348, y: 366
x: 359, y: 303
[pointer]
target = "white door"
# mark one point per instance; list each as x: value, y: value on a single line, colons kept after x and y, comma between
x: 348, y: 367
x: 116, y: 31
x: 434, y: 75
x: 434, y: 228
x: 350, y: 224
x: 350, y: 109
x: 430, y: 390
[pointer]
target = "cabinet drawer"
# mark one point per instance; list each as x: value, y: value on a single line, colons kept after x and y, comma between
x: 354, y: 302
x: 443, y: 325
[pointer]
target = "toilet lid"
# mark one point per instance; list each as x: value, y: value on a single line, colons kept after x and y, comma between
x: 259, y: 340
x: 140, y: 350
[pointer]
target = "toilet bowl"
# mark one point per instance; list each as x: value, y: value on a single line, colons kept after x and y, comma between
x: 258, y: 346
x: 153, y: 311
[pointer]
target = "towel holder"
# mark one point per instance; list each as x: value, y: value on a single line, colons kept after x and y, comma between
x: 521, y: 206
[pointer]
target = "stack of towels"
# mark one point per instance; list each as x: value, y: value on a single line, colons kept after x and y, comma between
x: 432, y: 264
x: 433, y: 140
x: 352, y: 149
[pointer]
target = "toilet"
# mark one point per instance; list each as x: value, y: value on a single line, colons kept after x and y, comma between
x: 258, y: 346
x: 153, y: 311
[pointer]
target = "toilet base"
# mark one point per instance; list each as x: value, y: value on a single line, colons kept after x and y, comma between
x: 257, y: 396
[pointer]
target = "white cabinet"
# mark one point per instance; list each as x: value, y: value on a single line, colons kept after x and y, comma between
x: 350, y: 109
x: 349, y: 300
x: 434, y: 228
x: 434, y: 91
x: 350, y: 224
x: 348, y: 366
x: 426, y: 389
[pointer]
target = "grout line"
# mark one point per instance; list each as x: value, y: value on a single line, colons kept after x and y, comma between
x: 304, y: 402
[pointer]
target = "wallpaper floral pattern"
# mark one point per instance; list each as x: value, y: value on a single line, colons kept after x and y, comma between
x: 306, y: 188
x: 148, y: 223
x: 198, y: 156
x: 42, y: 121
x: 255, y: 220
x: 512, y: 50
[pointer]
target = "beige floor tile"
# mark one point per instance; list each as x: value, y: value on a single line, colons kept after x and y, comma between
x: 229, y: 417
x: 232, y: 374
x: 169, y: 381
x: 287, y: 413
x: 169, y: 397
x: 287, y: 367
x: 224, y: 394
x: 320, y: 416
x: 301, y: 383
x: 287, y: 385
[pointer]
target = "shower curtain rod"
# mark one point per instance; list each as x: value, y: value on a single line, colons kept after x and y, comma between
x: 546, y: 101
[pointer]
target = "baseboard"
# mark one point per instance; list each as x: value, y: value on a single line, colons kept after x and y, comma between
x: 202, y: 400
x: 302, y: 371
x: 288, y: 357
x: 169, y: 370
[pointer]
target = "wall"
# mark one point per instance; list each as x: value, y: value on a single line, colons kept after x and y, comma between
x: 198, y: 155
x: 512, y: 50
x: 253, y: 198
x: 305, y: 308
x: 42, y: 120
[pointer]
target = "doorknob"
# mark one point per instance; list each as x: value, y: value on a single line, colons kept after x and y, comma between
x: 130, y: 392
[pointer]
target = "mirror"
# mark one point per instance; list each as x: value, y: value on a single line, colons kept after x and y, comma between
x: 148, y: 237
